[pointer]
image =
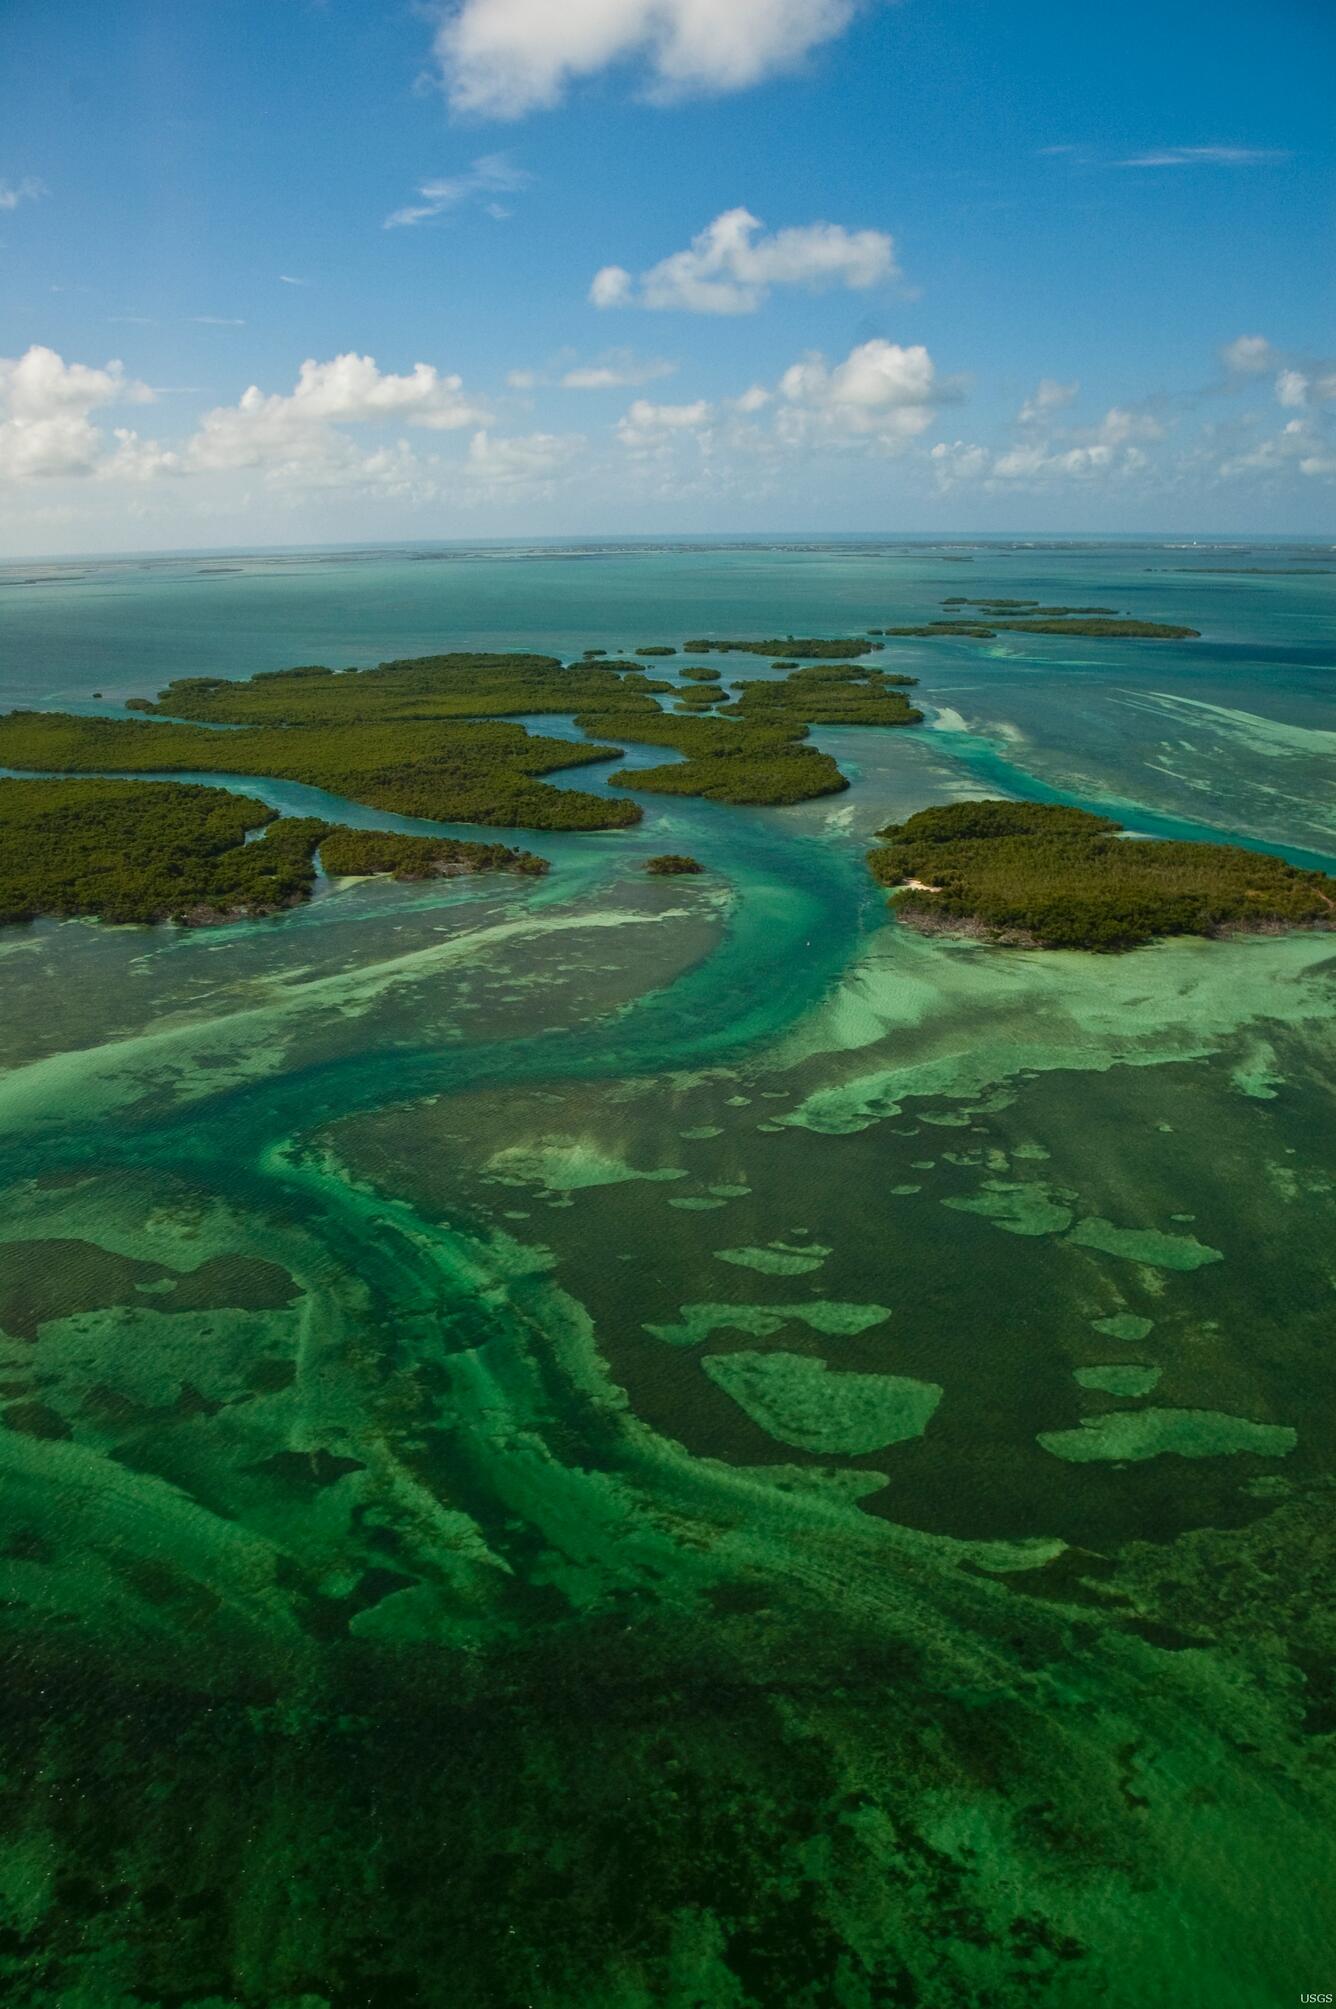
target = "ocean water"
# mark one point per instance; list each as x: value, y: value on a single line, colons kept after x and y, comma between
x: 619, y: 1442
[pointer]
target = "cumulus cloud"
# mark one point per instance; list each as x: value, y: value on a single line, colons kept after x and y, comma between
x: 136, y: 459
x: 1119, y: 425
x: 502, y: 58
x: 881, y: 392
x: 1248, y: 356
x: 530, y: 460
x: 1313, y: 386
x: 298, y: 431
x: 647, y: 424
x: 45, y: 407
x: 1300, y: 444
x: 1047, y: 396
x: 1109, y: 449
x: 29, y: 189
x: 489, y: 176
x: 959, y: 460
x: 729, y: 268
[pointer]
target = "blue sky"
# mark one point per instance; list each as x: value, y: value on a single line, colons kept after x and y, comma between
x: 278, y: 271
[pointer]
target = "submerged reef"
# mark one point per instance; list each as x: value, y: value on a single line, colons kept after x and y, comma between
x: 1041, y: 876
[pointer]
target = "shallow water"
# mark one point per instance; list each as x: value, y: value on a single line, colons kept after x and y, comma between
x: 604, y: 1441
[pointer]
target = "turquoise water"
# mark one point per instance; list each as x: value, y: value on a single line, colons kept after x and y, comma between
x: 592, y: 1441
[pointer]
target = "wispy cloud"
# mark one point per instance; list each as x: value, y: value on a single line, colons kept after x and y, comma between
x: 29, y: 189
x: 616, y: 371
x: 286, y: 279
x: 1206, y: 156
x: 217, y: 321
x: 489, y: 176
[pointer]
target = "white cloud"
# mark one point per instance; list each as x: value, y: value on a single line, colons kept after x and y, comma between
x: 29, y: 189
x: 729, y: 269
x: 1119, y: 425
x: 503, y: 58
x: 45, y: 406
x: 522, y: 380
x: 618, y: 370
x: 137, y: 459
x: 1047, y: 396
x: 217, y: 321
x: 1107, y: 450
x: 647, y: 424
x: 958, y: 461
x: 1248, y: 356
x: 1205, y: 156
x: 1296, y: 388
x: 286, y: 279
x: 1301, y: 443
x: 881, y: 392
x: 1028, y: 463
x: 612, y: 286
x: 529, y: 460
x: 298, y: 431
x: 491, y: 174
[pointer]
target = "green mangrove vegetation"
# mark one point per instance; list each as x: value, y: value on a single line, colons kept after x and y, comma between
x: 751, y: 750
x: 672, y: 864
x: 177, y: 851
x: 1030, y: 608
x: 1044, y: 876
x: 429, y: 737
x: 1030, y: 617
x: 348, y: 853
x: 828, y: 695
x: 147, y: 851
x: 462, y: 685
x: 790, y: 648
x: 451, y: 771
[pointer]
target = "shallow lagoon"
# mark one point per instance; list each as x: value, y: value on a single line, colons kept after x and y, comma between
x: 418, y: 1586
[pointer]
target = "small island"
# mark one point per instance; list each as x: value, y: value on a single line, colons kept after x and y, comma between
x: 672, y: 865
x: 1029, y: 617
x: 1034, y: 875
x: 346, y: 853
x: 789, y: 648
